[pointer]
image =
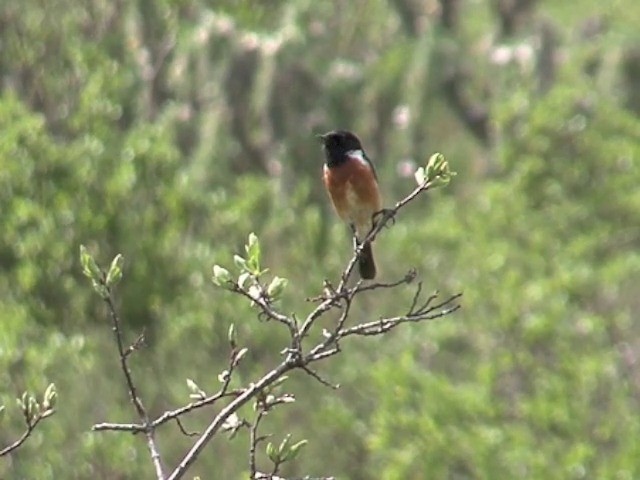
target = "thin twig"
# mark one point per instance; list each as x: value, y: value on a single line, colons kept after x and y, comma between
x: 332, y: 338
x: 137, y: 402
x: 31, y: 425
x: 253, y: 443
x: 217, y: 422
x: 268, y: 310
x: 416, y: 297
x: 317, y: 376
x: 166, y: 416
x: 118, y: 427
x: 377, y: 286
x: 174, y: 414
x: 385, y: 324
x: 184, y: 430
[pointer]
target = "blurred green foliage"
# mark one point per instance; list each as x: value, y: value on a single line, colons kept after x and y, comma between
x: 169, y: 130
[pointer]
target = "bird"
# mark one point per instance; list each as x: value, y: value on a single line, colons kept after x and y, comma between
x: 352, y: 184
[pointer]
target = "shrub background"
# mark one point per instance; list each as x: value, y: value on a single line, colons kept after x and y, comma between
x: 168, y: 130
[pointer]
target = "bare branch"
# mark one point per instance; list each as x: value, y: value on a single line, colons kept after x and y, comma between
x: 175, y: 414
x: 317, y: 376
x: 31, y: 425
x: 133, y: 394
x: 383, y: 325
x: 408, y: 278
x: 184, y: 430
x: 219, y: 419
x: 166, y: 416
x: 254, y: 439
x: 118, y: 427
x: 416, y: 297
x: 266, y: 307
x: 124, y: 353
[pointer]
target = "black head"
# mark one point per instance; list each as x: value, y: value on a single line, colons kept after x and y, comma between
x: 337, y: 143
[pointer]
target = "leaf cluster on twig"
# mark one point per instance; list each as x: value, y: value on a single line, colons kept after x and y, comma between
x: 33, y: 413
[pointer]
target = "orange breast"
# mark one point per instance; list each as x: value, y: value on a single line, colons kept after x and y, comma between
x: 354, y: 193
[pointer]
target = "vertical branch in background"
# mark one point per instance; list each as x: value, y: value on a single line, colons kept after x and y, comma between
x: 198, y: 72
x: 449, y: 14
x: 546, y: 64
x: 409, y: 16
x: 631, y: 77
x: 249, y: 84
x: 627, y: 352
x: 156, y: 41
x: 512, y: 14
x: 473, y: 113
x: 103, y: 283
x: 446, y: 58
x: 239, y: 83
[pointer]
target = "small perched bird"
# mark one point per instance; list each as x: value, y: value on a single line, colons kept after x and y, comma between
x: 352, y: 184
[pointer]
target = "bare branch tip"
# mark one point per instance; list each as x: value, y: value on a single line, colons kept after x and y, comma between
x: 317, y: 376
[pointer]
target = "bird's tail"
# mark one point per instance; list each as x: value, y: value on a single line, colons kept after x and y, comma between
x: 366, y: 264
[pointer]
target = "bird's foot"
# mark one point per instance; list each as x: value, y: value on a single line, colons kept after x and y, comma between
x: 385, y: 215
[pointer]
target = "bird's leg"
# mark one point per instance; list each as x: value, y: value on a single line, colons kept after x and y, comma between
x: 356, y: 242
x: 383, y: 214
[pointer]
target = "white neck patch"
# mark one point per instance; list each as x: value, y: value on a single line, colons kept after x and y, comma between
x: 358, y: 155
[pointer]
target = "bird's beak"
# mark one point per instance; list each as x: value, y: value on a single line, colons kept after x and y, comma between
x: 321, y: 137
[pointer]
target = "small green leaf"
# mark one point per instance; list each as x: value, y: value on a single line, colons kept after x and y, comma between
x: 221, y: 276
x: 241, y: 353
x: 438, y: 173
x: 23, y: 402
x: 100, y: 289
x: 242, y: 279
x: 440, y: 181
x: 253, y: 265
x: 115, y: 271
x: 50, y: 397
x: 293, y: 452
x: 420, y: 176
x: 276, y: 287
x: 433, y: 165
x: 253, y: 247
x: 193, y: 386
x: 240, y: 262
x: 253, y: 254
x: 231, y: 335
x: 34, y: 407
x: 232, y: 422
x: 272, y: 453
x: 89, y: 266
x: 196, y: 391
x: 283, y: 445
x: 47, y: 413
